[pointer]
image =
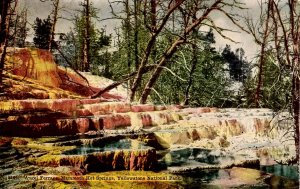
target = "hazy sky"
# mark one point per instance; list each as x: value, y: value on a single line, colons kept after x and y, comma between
x: 42, y: 10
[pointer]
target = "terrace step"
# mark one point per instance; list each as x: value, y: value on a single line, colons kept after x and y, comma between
x: 36, y: 118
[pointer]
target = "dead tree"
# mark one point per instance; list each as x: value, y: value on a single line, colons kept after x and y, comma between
x: 4, y: 5
x: 155, y: 31
x: 23, y: 31
x: 54, y: 21
x: 294, y: 18
x: 128, y: 30
x: 263, y: 44
x: 18, y: 27
x: 286, y: 36
x: 3, y: 33
x: 191, y: 20
x: 86, y: 38
x: 283, y: 30
x: 7, y: 8
x: 137, y: 5
x: 191, y: 73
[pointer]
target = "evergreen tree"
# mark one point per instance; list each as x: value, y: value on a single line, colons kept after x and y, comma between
x: 73, y: 45
x: 101, y: 58
x: 42, y: 32
x: 238, y: 66
x: 198, y: 77
x: 275, y: 87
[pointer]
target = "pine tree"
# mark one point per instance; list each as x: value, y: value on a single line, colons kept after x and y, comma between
x: 238, y: 66
x: 42, y: 31
x: 73, y: 44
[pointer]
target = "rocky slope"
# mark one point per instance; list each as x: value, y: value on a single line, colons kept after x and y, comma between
x: 33, y: 73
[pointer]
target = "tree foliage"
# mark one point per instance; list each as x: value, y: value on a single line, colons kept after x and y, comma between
x: 73, y: 45
x: 174, y: 21
x: 238, y: 65
x: 197, y: 76
x: 42, y: 32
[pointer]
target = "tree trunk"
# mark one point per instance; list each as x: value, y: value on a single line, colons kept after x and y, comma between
x: 296, y: 111
x: 295, y: 34
x: 149, y: 48
x: 4, y: 11
x: 2, y: 60
x: 86, y: 45
x: 296, y: 71
x: 136, y: 33
x: 54, y: 21
x: 15, y: 30
x: 153, y: 15
x: 140, y: 71
x: 153, y: 27
x: 159, y: 68
x: 167, y: 55
x: 262, y: 57
x: 23, y: 28
x: 4, y: 30
x: 190, y: 82
x: 117, y: 83
x: 128, y: 33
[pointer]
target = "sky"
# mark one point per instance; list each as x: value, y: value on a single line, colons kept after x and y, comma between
x: 36, y: 8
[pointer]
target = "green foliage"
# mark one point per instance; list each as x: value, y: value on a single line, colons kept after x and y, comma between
x: 209, y: 83
x: 123, y: 60
x: 100, y: 58
x: 72, y: 45
x: 42, y: 30
x: 276, y: 85
x: 98, y: 40
x: 238, y: 66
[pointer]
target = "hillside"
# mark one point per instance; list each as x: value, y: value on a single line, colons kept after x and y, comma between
x: 33, y: 73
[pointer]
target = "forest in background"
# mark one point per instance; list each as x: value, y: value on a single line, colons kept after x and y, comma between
x: 166, y: 49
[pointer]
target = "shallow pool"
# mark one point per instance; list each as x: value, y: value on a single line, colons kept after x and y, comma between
x: 123, y: 144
